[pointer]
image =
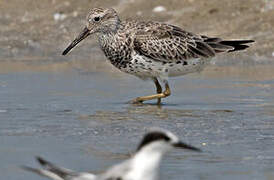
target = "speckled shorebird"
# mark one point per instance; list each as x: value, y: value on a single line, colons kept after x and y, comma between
x: 152, y: 50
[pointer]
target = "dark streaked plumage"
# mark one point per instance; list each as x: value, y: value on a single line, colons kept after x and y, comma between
x: 152, y: 50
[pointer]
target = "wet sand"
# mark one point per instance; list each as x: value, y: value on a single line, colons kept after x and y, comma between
x: 82, y: 121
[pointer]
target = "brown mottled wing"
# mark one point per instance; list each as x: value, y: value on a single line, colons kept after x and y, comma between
x: 169, y: 43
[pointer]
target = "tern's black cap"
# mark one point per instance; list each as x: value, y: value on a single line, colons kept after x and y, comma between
x: 152, y: 137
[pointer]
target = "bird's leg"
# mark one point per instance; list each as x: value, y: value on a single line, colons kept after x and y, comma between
x: 164, y: 94
x: 167, y: 91
x: 158, y: 89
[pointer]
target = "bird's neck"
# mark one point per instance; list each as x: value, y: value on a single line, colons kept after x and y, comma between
x: 111, y: 35
x: 105, y: 38
x: 147, y: 164
x: 112, y: 27
x: 107, y: 35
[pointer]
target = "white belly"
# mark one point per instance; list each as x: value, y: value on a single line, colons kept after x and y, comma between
x: 146, y: 68
x: 193, y: 65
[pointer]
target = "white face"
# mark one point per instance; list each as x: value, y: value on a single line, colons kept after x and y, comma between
x: 173, y: 138
x: 164, y: 145
x: 161, y: 147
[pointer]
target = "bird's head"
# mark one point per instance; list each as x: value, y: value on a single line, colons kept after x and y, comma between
x: 162, y: 141
x: 99, y: 20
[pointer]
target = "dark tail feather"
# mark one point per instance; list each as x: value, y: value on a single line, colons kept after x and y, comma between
x: 57, y: 173
x: 27, y: 168
x: 60, y: 171
x: 220, y: 45
x: 237, y: 44
x: 42, y: 172
x: 50, y: 170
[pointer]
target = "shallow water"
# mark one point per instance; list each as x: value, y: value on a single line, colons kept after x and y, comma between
x: 80, y: 120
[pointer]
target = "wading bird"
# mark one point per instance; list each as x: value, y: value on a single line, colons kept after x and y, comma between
x: 152, y: 50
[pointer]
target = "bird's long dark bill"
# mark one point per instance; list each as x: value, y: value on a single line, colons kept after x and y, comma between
x: 85, y: 33
x: 186, y: 146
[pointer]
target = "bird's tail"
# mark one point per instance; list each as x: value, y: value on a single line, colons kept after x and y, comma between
x: 237, y: 44
x: 220, y: 45
x: 50, y: 170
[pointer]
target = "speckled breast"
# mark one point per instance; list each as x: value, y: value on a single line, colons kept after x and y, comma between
x: 116, y: 51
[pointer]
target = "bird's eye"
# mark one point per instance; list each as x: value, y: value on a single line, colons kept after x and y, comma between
x: 96, y: 19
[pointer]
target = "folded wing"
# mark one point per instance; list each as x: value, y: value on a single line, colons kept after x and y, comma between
x: 54, y: 172
x: 168, y: 43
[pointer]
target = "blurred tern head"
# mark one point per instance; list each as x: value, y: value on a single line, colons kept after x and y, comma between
x: 159, y: 140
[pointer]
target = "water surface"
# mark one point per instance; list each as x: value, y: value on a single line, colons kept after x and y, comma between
x: 81, y: 120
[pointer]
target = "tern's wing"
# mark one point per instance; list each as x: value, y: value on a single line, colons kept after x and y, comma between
x: 116, y: 172
x: 54, y: 172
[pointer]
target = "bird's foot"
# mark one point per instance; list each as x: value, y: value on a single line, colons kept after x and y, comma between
x: 136, y: 101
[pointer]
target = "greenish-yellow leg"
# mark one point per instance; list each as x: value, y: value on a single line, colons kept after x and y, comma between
x: 158, y: 96
x: 158, y: 89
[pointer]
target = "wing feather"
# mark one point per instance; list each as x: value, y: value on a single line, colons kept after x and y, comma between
x: 58, y: 173
x: 169, y: 43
